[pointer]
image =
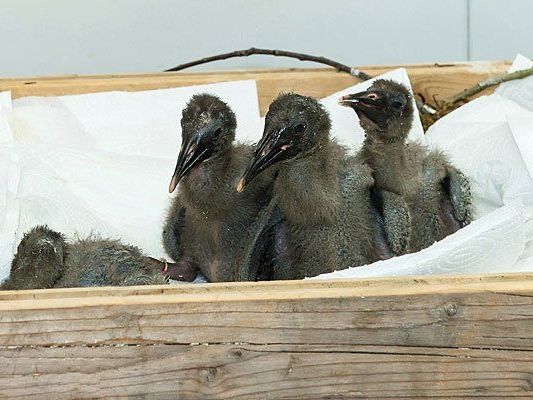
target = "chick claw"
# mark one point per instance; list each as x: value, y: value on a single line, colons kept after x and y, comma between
x: 183, y: 270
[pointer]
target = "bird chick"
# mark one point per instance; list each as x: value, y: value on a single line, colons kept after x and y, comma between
x: 322, y: 195
x: 210, y: 227
x: 44, y: 259
x: 422, y: 197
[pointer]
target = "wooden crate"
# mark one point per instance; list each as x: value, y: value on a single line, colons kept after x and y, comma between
x: 422, y: 337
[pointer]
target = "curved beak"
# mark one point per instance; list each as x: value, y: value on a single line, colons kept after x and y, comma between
x: 192, y: 152
x: 362, y: 100
x: 366, y: 104
x: 270, y: 150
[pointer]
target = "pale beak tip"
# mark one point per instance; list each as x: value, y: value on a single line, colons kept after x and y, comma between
x: 240, y: 186
x: 173, y: 184
x: 345, y: 101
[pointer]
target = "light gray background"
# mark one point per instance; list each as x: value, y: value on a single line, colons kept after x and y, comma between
x: 48, y: 37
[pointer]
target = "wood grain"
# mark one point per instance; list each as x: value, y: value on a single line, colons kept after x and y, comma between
x: 484, y: 314
x: 429, y: 80
x: 244, y: 371
x: 382, y: 285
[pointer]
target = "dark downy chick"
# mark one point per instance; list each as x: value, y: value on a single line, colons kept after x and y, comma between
x: 44, y: 259
x: 423, y: 197
x: 322, y: 195
x: 210, y: 226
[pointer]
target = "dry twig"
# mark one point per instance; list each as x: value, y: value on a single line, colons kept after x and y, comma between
x: 428, y: 114
x: 448, y: 105
x: 279, y: 53
x: 491, y: 81
x: 424, y: 108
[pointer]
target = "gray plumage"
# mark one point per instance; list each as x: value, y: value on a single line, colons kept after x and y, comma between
x: 210, y: 226
x: 422, y: 196
x: 322, y: 196
x: 45, y: 259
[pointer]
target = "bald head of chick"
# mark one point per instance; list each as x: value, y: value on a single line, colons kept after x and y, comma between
x: 208, y: 130
x: 385, y: 110
x: 295, y: 127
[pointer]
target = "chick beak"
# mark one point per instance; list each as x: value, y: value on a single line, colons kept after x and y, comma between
x: 191, y: 154
x: 268, y: 152
x: 362, y: 100
x: 368, y: 105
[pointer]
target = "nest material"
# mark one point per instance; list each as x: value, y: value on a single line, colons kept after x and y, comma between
x: 441, y: 110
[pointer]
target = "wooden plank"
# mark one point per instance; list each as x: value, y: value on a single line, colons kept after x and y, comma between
x: 429, y: 80
x: 380, y: 285
x: 243, y: 371
x: 431, y: 313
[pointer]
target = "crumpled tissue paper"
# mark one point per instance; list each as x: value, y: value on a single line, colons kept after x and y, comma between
x: 99, y: 163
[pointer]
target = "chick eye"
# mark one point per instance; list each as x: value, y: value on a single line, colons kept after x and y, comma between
x: 398, y: 105
x: 299, y: 128
x: 217, y: 132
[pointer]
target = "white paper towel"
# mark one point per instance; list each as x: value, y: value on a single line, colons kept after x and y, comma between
x: 100, y: 162
x: 489, y: 139
x: 142, y: 123
x: 519, y: 91
x: 5, y: 117
x: 484, y: 246
x: 9, y: 210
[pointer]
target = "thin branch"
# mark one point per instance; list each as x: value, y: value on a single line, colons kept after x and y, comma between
x: 491, y: 81
x: 423, y: 107
x: 279, y: 53
x: 451, y: 103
